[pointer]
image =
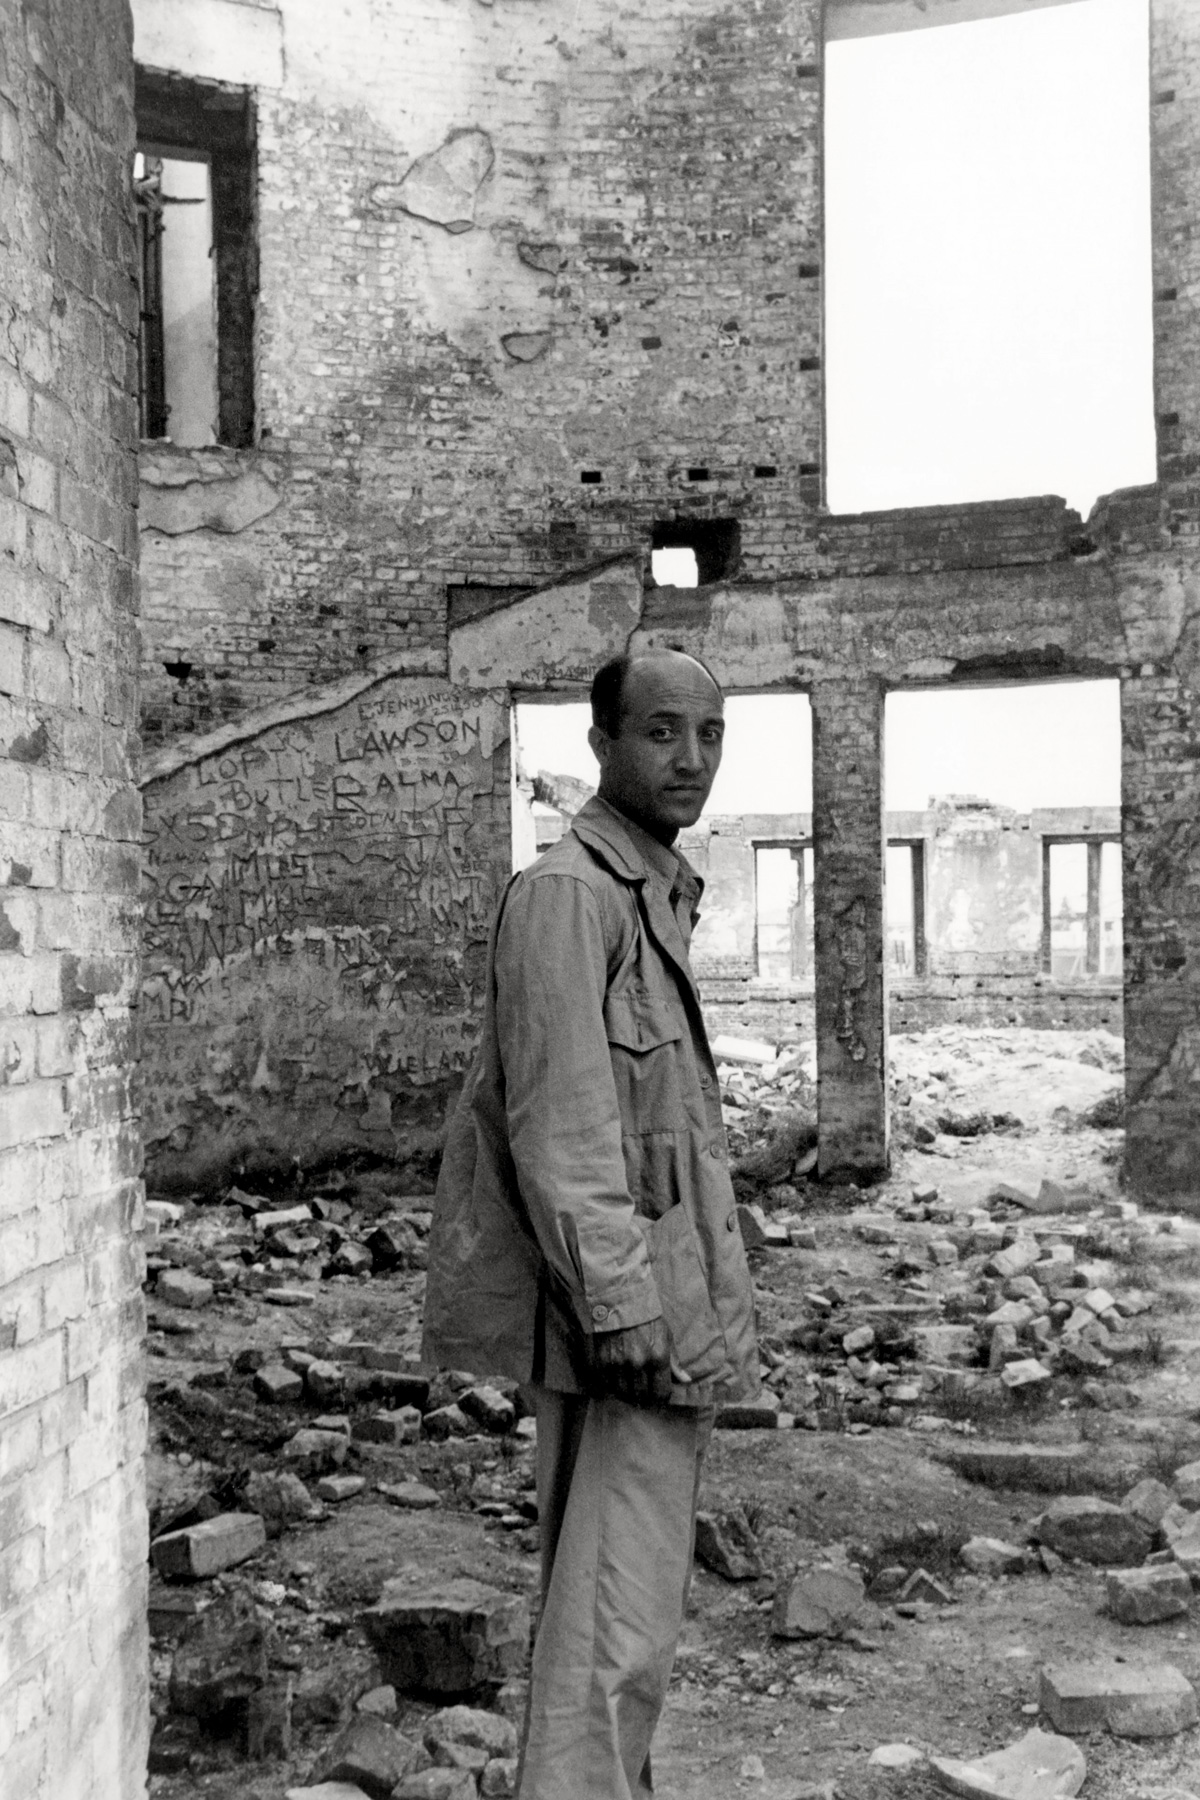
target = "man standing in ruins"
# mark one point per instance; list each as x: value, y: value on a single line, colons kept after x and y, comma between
x: 585, y: 1237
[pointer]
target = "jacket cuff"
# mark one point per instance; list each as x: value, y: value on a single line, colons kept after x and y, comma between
x: 601, y: 1312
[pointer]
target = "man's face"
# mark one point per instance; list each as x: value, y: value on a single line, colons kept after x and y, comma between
x: 659, y: 768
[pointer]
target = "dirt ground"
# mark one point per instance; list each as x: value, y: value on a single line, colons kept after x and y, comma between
x: 773, y: 1719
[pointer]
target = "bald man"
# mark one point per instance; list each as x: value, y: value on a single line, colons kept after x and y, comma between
x: 585, y: 1236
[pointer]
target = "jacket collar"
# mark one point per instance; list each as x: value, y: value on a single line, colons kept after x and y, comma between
x: 625, y: 848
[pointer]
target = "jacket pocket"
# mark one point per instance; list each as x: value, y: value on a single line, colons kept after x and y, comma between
x: 697, y: 1341
x: 643, y: 1045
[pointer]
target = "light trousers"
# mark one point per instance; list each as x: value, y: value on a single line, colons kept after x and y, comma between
x: 617, y: 1487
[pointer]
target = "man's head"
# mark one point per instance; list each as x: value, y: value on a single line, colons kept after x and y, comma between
x: 658, y: 723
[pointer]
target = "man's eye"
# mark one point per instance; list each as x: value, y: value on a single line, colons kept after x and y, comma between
x: 662, y: 734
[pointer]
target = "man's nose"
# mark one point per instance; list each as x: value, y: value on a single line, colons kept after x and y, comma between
x: 689, y: 752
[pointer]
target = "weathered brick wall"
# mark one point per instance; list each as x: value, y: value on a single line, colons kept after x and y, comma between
x: 1175, y: 178
x: 318, y: 897
x: 73, y: 1701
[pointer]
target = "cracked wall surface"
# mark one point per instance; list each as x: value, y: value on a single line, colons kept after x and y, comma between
x: 318, y: 897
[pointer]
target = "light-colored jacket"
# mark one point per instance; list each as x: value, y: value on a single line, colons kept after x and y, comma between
x: 585, y: 1184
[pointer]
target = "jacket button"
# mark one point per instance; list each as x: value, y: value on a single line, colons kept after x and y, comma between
x: 715, y: 1150
x: 706, y: 1081
x: 731, y: 1222
x: 599, y: 1313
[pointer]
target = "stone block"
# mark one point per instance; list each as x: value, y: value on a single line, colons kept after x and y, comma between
x: 281, y: 1498
x: 1024, y: 1374
x: 179, y: 1287
x: 946, y: 1344
x: 726, y: 1545
x: 921, y: 1585
x: 1038, y: 1766
x: 276, y: 1384
x: 205, y: 1549
x: 1147, y: 1596
x: 499, y: 1779
x: 824, y: 1603
x: 403, y: 1426
x: 220, y: 1660
x: 860, y: 1339
x: 1147, y: 1701
x: 490, y: 1732
x: 447, y: 1422
x: 324, y: 1382
x: 489, y: 1408
x: 370, y: 1753
x: 312, y: 1453
x: 413, y: 1495
x: 280, y: 1219
x: 437, y: 1784
x: 1093, y: 1531
x: 1186, y: 1482
x: 269, y: 1721
x: 992, y: 1556
x: 1148, y: 1502
x: 753, y: 1224
x: 447, y: 1640
x: 1015, y: 1260
x: 750, y: 1415
x: 336, y: 1488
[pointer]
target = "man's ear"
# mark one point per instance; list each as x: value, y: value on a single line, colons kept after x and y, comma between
x: 599, y: 741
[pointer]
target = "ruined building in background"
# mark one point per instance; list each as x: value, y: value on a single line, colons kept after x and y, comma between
x: 531, y: 293
x: 500, y: 297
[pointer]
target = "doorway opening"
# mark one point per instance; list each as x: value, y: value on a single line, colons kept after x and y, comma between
x: 1003, y: 811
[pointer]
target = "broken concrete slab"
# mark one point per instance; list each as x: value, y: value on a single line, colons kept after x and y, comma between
x: 400, y: 1426
x: 946, y: 1344
x: 1039, y: 1766
x: 205, y: 1549
x: 313, y: 1453
x: 1015, y: 1260
x: 281, y: 1498
x: 1148, y: 1502
x: 895, y: 1756
x: 1186, y: 1482
x: 447, y: 1640
x: 1148, y: 1596
x: 822, y: 1603
x: 369, y: 1753
x: 1153, y: 1700
x: 179, y: 1287
x: 276, y: 1384
x: 751, y: 1415
x: 1027, y: 1372
x: 491, y: 1409
x: 992, y: 1556
x: 336, y: 1488
x: 220, y: 1660
x: 726, y: 1545
x: 473, y: 1727
x: 1093, y: 1531
x: 437, y: 1784
x: 411, y: 1494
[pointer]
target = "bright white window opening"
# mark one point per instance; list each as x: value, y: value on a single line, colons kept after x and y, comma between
x: 988, y: 278
x: 674, y: 568
x: 1011, y: 799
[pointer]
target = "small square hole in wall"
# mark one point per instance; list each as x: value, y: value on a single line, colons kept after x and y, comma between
x: 714, y: 546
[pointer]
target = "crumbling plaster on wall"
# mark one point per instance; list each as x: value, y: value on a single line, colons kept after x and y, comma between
x: 318, y: 894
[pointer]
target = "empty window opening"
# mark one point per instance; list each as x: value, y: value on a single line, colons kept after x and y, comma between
x: 715, y: 546
x: 1081, y: 908
x: 975, y: 347
x: 194, y: 189
x: 178, y: 336
x: 905, y: 914
x: 783, y: 912
x: 675, y: 568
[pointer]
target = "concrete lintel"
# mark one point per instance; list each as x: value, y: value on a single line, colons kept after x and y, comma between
x: 213, y: 40
x: 883, y: 18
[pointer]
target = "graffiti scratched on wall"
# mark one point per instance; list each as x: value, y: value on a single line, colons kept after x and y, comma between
x: 317, y: 898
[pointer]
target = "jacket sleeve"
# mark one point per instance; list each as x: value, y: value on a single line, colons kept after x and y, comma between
x: 561, y: 1100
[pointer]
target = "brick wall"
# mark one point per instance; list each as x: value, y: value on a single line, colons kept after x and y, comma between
x: 73, y: 1704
